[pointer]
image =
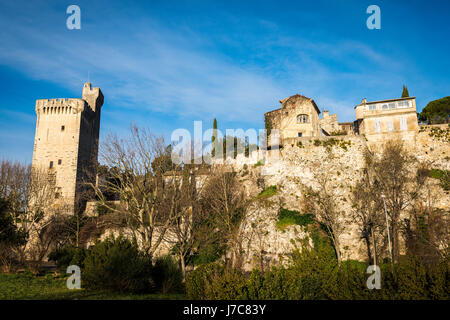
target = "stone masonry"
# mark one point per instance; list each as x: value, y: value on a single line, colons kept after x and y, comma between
x: 66, y: 143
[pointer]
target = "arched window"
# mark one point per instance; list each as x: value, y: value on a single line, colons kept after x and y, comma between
x: 302, y: 118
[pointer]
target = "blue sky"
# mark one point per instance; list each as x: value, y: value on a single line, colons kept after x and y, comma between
x: 163, y: 64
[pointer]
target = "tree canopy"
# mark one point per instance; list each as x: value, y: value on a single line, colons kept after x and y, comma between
x: 437, y: 111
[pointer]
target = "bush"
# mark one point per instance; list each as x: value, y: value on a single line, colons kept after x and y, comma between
x: 443, y: 176
x: 289, y: 217
x: 315, y: 274
x: 167, y: 275
x: 214, y: 281
x: 67, y: 256
x: 268, y: 192
x: 117, y: 265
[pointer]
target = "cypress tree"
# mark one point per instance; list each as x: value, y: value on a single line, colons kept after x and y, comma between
x: 214, y: 137
x: 405, y: 92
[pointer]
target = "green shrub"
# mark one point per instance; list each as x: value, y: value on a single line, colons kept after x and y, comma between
x: 259, y: 163
x: 207, y: 253
x: 289, y: 217
x: 167, y: 275
x: 268, y: 192
x: 67, y: 256
x: 315, y: 274
x: 117, y: 265
x: 215, y: 282
x: 443, y: 176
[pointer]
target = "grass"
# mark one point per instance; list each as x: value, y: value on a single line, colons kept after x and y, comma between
x: 268, y: 192
x: 291, y: 217
x: 29, y: 287
x: 443, y: 176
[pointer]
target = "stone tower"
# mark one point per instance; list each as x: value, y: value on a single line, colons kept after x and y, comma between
x: 66, y: 144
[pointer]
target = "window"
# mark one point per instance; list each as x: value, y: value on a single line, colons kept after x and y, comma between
x: 372, y: 107
x: 392, y: 105
x: 377, y: 126
x: 57, y: 195
x: 390, y: 125
x: 299, y: 134
x: 302, y: 118
x: 63, y: 127
x: 403, y: 104
x: 59, y: 161
x: 385, y: 107
x: 403, y: 125
x: 51, y: 164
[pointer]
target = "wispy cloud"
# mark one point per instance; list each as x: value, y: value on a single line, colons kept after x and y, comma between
x: 180, y: 72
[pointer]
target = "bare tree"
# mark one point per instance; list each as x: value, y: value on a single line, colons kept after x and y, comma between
x: 31, y: 195
x: 367, y: 211
x: 399, y: 179
x: 324, y: 199
x: 149, y: 203
x: 224, y: 197
x: 190, y: 229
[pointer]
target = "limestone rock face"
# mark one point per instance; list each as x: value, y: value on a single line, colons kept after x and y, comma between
x: 343, y: 162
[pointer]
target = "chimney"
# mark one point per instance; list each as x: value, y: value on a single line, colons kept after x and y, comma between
x: 364, y: 101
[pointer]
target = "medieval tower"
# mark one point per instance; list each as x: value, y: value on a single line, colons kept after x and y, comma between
x: 66, y: 144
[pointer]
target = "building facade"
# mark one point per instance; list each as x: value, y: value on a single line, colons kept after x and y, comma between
x: 66, y: 143
x: 297, y: 117
x: 385, y: 119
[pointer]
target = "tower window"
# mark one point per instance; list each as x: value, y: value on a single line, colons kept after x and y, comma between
x: 51, y: 164
x: 63, y: 127
x: 59, y: 161
x: 57, y: 195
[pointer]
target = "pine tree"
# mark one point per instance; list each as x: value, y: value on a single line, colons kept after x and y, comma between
x: 214, y: 137
x: 405, y: 92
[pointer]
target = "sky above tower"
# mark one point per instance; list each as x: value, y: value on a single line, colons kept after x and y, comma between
x: 164, y: 64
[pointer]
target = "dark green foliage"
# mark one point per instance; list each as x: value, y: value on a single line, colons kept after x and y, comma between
x: 437, y: 111
x: 214, y: 138
x: 268, y: 192
x: 207, y: 253
x: 315, y: 274
x: 9, y: 233
x: 405, y: 92
x: 67, y: 256
x: 167, y: 275
x: 163, y: 163
x: 117, y: 265
x: 214, y: 281
x: 443, y: 176
x: 289, y: 217
x: 11, y: 238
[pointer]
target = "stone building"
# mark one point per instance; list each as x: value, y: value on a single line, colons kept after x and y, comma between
x: 297, y: 117
x: 66, y: 143
x: 384, y: 119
